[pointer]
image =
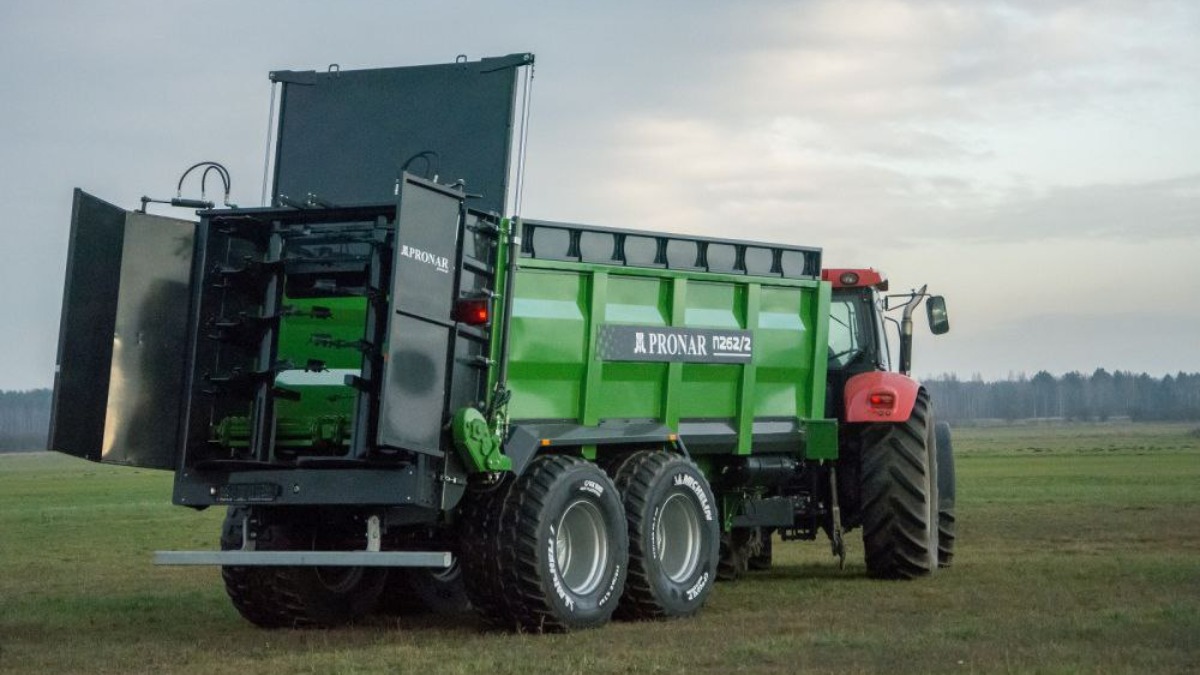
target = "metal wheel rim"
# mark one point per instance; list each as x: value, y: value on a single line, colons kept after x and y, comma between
x: 581, y: 546
x: 677, y: 537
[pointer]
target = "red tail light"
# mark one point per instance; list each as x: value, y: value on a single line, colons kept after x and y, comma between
x: 882, y: 399
x: 473, y: 311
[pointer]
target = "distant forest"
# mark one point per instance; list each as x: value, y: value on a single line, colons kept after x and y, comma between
x: 24, y: 419
x: 1074, y: 396
x: 1100, y: 396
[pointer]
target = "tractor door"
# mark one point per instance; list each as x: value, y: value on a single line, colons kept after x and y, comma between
x: 856, y: 344
x: 122, y: 344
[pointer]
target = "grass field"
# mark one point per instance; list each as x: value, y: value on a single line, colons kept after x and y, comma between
x: 1079, y: 551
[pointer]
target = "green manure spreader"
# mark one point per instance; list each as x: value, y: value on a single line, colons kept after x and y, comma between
x: 406, y: 399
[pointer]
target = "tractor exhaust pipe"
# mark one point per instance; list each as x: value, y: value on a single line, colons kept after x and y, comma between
x: 906, y: 331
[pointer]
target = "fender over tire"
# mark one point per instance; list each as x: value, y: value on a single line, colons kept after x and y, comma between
x: 900, y: 495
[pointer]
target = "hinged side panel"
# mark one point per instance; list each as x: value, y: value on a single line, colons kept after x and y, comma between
x: 123, y: 336
x: 149, y: 346
x: 89, y: 313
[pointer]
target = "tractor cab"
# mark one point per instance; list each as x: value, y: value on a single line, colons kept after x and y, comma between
x: 858, y: 337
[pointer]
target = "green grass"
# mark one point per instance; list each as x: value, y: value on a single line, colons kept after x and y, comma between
x: 1079, y: 551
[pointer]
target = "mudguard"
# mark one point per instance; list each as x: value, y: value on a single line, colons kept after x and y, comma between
x: 900, y: 390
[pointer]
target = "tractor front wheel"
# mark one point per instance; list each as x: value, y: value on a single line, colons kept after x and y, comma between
x: 945, y: 480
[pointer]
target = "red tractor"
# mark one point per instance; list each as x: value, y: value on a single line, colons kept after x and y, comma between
x: 894, y: 472
x: 895, y: 475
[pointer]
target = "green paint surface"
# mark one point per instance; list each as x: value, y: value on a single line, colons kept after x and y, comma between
x: 554, y: 372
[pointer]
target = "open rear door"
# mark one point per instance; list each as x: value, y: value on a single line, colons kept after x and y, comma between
x: 123, y: 336
x: 420, y: 327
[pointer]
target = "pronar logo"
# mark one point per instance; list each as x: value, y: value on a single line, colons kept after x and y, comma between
x: 692, y: 345
x: 670, y: 344
x: 440, y: 263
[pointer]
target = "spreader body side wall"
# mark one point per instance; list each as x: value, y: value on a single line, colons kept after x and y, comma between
x: 743, y: 355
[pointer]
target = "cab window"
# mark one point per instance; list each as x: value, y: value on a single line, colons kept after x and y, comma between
x: 844, y: 335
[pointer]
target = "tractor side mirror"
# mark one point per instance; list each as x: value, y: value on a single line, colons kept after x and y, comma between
x: 935, y: 307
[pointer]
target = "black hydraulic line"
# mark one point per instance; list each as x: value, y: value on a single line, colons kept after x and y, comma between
x: 209, y: 166
x: 204, y: 180
x: 430, y: 168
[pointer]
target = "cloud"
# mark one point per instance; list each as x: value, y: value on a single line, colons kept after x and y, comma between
x: 1160, y: 209
x: 878, y: 129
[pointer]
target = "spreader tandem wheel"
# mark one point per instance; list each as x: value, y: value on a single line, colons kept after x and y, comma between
x: 563, y: 547
x: 673, y: 536
x: 479, y: 530
x: 294, y: 596
x: 899, y: 492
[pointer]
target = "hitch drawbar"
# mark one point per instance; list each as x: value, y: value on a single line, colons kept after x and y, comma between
x: 440, y: 559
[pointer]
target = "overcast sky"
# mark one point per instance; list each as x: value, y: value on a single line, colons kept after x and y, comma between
x: 1038, y: 162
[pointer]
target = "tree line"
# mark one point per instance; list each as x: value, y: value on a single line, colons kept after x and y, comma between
x: 1072, y: 396
x: 25, y: 415
x: 24, y: 419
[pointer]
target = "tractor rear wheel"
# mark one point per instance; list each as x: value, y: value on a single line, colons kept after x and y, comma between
x: 295, y: 596
x: 563, y: 547
x: 945, y: 481
x: 899, y: 495
x: 673, y: 536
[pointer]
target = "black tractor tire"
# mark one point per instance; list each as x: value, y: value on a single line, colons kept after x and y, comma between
x: 946, y: 491
x: 479, y: 543
x: 762, y: 561
x: 563, y: 547
x: 420, y: 590
x: 295, y: 596
x: 673, y: 536
x: 899, y: 495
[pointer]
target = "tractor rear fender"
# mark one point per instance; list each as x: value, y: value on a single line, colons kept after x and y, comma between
x: 880, y: 397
